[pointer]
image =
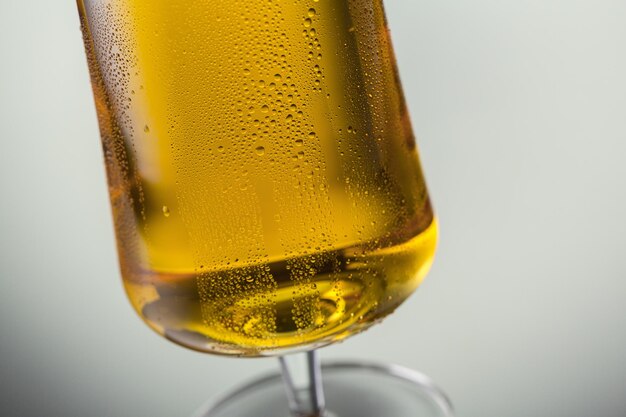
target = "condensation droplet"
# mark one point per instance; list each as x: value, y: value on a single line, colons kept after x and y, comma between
x: 166, y: 211
x: 260, y: 150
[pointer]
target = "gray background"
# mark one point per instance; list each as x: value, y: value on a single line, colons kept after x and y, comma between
x: 519, y: 107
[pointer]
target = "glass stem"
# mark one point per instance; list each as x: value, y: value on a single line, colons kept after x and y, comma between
x: 302, y: 376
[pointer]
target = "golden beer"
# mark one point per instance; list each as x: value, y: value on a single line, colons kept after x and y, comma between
x: 266, y: 188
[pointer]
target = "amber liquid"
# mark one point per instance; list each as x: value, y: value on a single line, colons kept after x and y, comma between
x: 266, y: 189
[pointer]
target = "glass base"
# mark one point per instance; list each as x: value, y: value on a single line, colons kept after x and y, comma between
x: 352, y: 389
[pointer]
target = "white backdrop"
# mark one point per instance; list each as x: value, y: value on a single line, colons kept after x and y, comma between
x: 519, y: 107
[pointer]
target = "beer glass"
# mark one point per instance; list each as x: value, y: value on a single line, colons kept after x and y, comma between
x: 266, y: 189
